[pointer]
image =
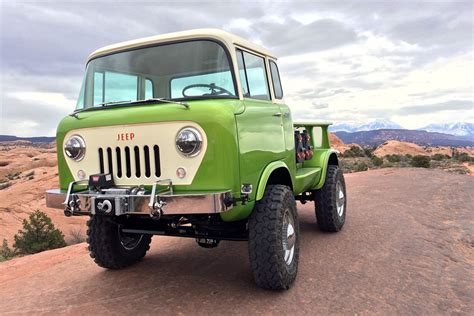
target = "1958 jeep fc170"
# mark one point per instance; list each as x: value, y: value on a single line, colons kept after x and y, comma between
x: 187, y: 135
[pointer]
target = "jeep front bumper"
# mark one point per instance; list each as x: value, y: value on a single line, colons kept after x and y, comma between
x: 136, y: 201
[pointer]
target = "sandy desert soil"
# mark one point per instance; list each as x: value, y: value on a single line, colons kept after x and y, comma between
x: 407, y: 248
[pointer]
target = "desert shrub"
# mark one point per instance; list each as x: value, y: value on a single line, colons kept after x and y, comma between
x: 369, y: 151
x: 462, y: 157
x: 408, y: 156
x: 393, y: 158
x: 377, y: 161
x: 5, y: 251
x: 38, y: 234
x: 420, y: 161
x: 439, y: 157
x: 354, y: 151
x: 77, y: 236
x: 361, y: 166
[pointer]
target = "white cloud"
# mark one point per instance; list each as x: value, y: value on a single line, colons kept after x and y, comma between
x: 44, y: 98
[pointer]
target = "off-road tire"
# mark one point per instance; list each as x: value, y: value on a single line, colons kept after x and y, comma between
x: 105, y: 245
x: 266, y: 252
x: 327, y: 215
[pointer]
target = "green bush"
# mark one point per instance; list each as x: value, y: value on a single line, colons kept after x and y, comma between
x: 361, y: 166
x: 377, y: 161
x: 408, y: 156
x: 38, y: 234
x: 354, y: 151
x: 393, y: 158
x: 369, y: 151
x: 5, y: 252
x: 420, y: 161
x: 439, y: 157
x: 462, y: 157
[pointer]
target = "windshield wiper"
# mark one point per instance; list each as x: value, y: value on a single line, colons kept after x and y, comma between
x: 160, y: 100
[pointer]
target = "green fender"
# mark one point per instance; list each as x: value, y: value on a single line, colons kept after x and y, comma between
x: 262, y: 183
x: 324, y: 167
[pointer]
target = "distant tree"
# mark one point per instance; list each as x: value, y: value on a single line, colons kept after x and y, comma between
x: 354, y: 151
x: 5, y: 251
x: 361, y: 166
x: 461, y: 157
x: 377, y: 161
x: 369, y: 151
x: 38, y: 234
x: 439, y: 157
x: 420, y: 161
x: 393, y: 158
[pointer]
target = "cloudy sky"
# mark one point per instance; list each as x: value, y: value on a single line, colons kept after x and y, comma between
x: 344, y: 61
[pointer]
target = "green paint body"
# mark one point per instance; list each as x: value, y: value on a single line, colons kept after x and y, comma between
x: 246, y: 143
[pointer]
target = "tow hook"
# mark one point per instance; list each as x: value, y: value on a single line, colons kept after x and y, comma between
x: 71, y: 206
x: 157, y: 209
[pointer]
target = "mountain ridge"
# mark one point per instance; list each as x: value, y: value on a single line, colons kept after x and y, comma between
x: 420, y: 137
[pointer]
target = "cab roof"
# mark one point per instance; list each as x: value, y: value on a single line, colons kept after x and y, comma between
x: 228, y: 39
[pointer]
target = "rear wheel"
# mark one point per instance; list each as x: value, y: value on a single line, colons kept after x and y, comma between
x: 330, y: 201
x: 110, y: 247
x: 274, y: 239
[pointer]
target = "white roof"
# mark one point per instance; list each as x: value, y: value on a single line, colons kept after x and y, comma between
x: 227, y: 38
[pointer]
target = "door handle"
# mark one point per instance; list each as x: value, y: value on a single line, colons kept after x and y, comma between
x: 279, y: 114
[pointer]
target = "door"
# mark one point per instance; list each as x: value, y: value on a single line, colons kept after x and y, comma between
x: 260, y: 125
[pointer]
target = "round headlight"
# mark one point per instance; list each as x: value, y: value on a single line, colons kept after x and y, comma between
x: 189, y: 142
x: 75, y: 148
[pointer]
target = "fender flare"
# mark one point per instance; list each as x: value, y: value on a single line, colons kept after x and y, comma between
x: 325, y: 162
x: 267, y: 172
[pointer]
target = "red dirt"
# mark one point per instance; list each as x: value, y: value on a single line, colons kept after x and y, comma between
x: 407, y: 248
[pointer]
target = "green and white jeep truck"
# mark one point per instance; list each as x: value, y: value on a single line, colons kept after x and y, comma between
x: 187, y: 135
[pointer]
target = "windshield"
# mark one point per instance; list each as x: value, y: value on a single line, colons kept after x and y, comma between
x: 187, y: 70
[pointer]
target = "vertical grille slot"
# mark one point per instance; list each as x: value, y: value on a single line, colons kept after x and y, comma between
x: 156, y: 150
x: 109, y: 160
x: 118, y: 153
x: 101, y: 160
x: 137, y: 161
x: 127, y: 162
x: 146, y: 151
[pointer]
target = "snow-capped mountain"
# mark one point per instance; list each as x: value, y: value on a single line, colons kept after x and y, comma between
x: 457, y: 128
x: 379, y: 124
x: 374, y: 125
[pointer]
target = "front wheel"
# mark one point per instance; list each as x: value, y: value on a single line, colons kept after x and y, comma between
x: 274, y: 239
x: 331, y: 201
x: 110, y: 247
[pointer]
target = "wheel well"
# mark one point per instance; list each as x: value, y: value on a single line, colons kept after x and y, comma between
x: 333, y: 160
x: 280, y: 176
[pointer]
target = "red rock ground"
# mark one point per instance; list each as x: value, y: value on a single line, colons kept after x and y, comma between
x: 407, y: 248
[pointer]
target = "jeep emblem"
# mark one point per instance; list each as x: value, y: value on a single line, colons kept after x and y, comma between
x: 125, y: 136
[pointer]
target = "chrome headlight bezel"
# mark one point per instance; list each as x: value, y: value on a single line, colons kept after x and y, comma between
x: 189, y: 142
x: 75, y: 143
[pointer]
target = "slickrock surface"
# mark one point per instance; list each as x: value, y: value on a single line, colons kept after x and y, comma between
x: 407, y: 248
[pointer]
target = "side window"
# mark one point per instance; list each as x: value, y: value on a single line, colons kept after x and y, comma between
x: 148, y: 89
x: 277, y: 90
x: 242, y: 74
x: 255, y: 76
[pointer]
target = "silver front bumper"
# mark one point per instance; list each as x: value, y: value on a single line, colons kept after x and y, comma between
x: 166, y: 203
